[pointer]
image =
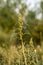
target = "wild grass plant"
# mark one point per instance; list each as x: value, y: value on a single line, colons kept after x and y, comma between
x: 21, y: 55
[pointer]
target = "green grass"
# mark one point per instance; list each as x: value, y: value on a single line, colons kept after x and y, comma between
x: 26, y: 55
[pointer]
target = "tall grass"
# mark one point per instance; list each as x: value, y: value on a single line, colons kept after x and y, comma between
x: 25, y: 55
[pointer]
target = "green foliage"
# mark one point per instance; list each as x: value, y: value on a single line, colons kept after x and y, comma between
x: 27, y: 54
x: 16, y: 29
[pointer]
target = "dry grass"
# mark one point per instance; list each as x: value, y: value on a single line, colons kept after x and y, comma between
x: 9, y: 54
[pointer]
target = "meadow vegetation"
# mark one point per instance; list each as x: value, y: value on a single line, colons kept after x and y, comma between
x: 21, y: 34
